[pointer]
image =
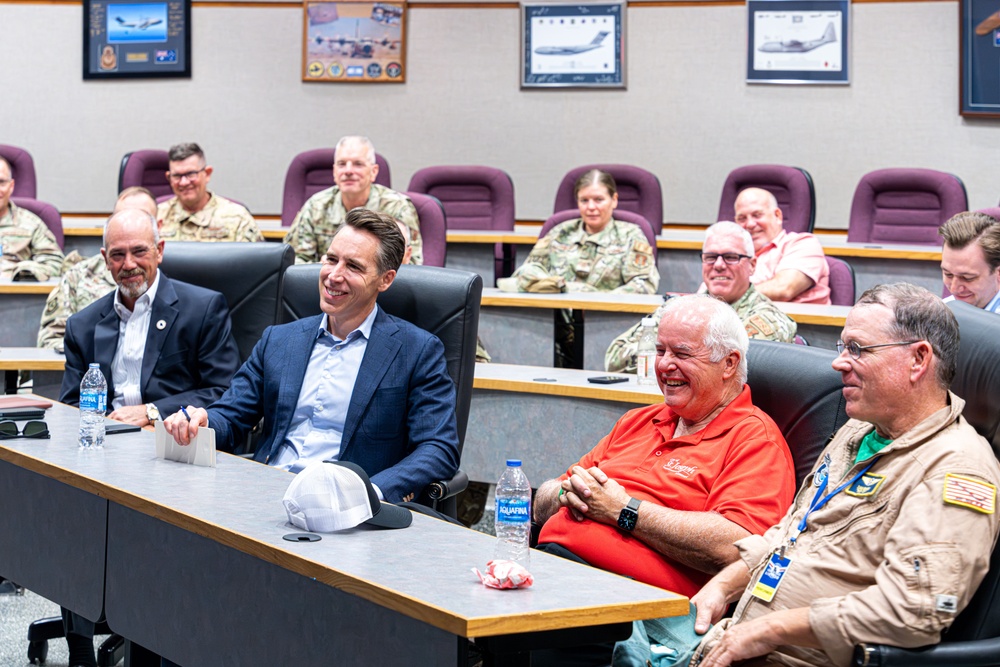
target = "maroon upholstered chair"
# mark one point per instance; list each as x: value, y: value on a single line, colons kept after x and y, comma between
x: 311, y: 172
x: 993, y: 211
x: 147, y: 168
x: 638, y: 191
x: 473, y: 197
x: 433, y: 230
x: 791, y: 186
x: 619, y: 214
x: 22, y: 168
x: 904, y: 206
x: 842, y: 287
x: 47, y: 212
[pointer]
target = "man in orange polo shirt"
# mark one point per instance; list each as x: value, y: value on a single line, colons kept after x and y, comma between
x: 663, y: 497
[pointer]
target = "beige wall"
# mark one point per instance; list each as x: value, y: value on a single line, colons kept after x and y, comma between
x: 687, y: 115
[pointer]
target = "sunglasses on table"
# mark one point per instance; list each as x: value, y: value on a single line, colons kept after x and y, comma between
x: 9, y: 430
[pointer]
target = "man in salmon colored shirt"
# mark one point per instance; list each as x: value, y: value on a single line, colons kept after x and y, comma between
x: 790, y: 266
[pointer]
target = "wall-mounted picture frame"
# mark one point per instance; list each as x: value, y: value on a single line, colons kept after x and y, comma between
x: 798, y: 41
x: 979, y: 40
x: 354, y: 42
x: 136, y: 39
x: 573, y: 45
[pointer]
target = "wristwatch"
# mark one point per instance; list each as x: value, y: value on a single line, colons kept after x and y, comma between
x: 152, y: 414
x: 629, y: 515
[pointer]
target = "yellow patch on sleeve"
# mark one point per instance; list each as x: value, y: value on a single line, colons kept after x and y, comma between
x: 969, y: 492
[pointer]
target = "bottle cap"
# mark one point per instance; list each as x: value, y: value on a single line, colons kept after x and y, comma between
x: 94, y: 365
x: 513, y: 463
x: 649, y: 322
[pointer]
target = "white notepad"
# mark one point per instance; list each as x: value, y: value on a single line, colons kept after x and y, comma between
x: 201, y: 451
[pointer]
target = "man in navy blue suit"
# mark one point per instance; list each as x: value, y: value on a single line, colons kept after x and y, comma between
x: 352, y: 384
x: 161, y: 343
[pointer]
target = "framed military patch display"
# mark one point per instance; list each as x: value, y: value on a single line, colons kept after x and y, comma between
x: 798, y: 41
x: 354, y: 42
x: 136, y: 39
x: 576, y: 45
x: 979, y: 40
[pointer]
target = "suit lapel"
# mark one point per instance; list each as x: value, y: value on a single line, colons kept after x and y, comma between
x: 164, y: 310
x: 383, y: 346
x: 106, y: 343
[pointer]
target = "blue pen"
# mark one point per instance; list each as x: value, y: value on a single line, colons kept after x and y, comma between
x: 186, y: 415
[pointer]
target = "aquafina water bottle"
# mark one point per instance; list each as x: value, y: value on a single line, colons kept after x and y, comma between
x: 646, y: 352
x: 513, y: 515
x: 93, y: 405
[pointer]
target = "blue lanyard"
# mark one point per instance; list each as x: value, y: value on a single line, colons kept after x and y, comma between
x: 819, y: 500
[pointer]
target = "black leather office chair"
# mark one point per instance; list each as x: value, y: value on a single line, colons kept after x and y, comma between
x: 974, y: 638
x: 248, y: 274
x: 798, y: 388
x: 444, y: 302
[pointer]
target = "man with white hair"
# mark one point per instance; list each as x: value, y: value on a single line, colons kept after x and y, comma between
x: 727, y: 262
x: 663, y: 496
x: 354, y: 172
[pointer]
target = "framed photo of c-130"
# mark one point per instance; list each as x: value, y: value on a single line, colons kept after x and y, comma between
x: 354, y: 42
x: 798, y: 41
x: 979, y: 41
x: 136, y: 39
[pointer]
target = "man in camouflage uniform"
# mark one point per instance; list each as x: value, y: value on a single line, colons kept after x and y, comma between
x: 354, y: 171
x: 27, y: 247
x: 194, y: 213
x: 569, y: 259
x: 727, y: 263
x: 86, y: 280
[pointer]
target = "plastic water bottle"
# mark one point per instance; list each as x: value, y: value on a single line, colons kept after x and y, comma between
x: 646, y: 352
x: 93, y: 405
x: 513, y: 515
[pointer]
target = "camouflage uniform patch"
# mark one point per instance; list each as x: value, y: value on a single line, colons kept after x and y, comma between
x: 324, y: 213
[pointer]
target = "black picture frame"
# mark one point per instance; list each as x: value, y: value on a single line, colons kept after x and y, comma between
x: 566, y: 45
x: 136, y: 39
x: 979, y: 43
x: 798, y: 44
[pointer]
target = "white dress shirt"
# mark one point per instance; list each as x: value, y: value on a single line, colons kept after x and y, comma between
x: 133, y: 326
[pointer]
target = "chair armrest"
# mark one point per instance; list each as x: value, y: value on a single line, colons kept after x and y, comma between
x: 978, y: 653
x: 444, y: 489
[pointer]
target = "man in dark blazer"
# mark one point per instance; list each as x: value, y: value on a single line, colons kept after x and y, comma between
x: 353, y: 384
x: 161, y: 344
x: 187, y: 353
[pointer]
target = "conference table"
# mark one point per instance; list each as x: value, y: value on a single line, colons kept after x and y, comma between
x: 191, y: 562
x: 518, y: 328
x: 23, y: 303
x: 16, y: 359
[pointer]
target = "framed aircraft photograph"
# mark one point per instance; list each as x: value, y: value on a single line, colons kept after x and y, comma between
x: 979, y: 40
x: 135, y: 39
x: 354, y: 42
x: 578, y: 45
x: 798, y: 41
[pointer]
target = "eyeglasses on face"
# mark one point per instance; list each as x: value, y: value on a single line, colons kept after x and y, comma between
x: 728, y: 258
x: 189, y: 175
x: 5, y: 182
x: 9, y: 430
x: 855, y: 350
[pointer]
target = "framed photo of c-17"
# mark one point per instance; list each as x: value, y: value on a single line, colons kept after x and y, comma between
x: 573, y: 45
x: 979, y: 41
x: 354, y: 42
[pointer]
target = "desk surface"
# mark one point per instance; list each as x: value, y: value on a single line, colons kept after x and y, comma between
x: 31, y: 359
x: 22, y: 287
x: 563, y: 382
x: 394, y: 569
x: 803, y: 313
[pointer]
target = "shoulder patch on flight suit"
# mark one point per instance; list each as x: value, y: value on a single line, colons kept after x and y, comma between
x: 866, y: 486
x: 969, y: 492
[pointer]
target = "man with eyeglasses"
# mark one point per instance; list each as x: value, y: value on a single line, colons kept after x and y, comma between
x: 161, y: 345
x: 28, y: 249
x: 727, y: 262
x: 892, y: 531
x: 790, y: 266
x: 354, y: 172
x: 194, y: 213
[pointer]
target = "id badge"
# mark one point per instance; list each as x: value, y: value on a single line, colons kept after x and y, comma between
x: 768, y: 583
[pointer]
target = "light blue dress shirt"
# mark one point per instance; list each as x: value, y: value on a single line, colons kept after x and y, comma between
x: 317, y: 426
x: 993, y: 306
